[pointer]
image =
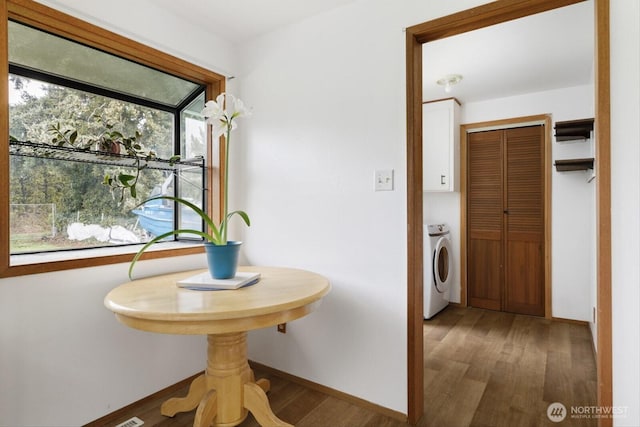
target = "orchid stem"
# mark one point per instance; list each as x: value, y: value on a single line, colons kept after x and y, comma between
x: 226, y: 187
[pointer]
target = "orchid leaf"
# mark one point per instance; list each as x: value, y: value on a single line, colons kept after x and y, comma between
x: 162, y: 237
x: 242, y: 214
x: 215, y: 231
x: 225, y: 223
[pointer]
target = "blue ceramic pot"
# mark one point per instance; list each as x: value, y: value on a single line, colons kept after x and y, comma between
x: 222, y: 259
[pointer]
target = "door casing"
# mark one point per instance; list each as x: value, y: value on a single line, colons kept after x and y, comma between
x: 468, y: 20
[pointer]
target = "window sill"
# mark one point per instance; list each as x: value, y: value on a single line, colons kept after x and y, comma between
x: 25, y: 264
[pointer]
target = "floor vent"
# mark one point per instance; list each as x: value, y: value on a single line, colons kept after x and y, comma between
x: 133, y: 422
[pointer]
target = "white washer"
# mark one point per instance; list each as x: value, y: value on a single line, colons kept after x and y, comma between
x: 437, y: 268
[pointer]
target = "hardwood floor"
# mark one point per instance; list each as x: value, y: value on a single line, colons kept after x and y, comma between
x: 482, y: 368
x: 488, y: 368
x: 290, y: 401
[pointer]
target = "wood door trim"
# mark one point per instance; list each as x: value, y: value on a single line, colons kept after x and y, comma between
x: 475, y: 18
x: 415, y: 304
x: 483, y: 16
x: 545, y: 120
x: 604, y: 356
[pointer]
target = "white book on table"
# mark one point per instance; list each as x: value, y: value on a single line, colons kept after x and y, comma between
x: 204, y: 281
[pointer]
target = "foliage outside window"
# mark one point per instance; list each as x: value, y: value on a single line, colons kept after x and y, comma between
x: 58, y: 87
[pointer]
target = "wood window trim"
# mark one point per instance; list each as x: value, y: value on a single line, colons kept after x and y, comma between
x: 51, y: 20
x: 461, y: 22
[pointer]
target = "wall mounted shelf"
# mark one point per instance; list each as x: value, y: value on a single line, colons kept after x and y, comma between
x: 574, y: 164
x: 574, y: 129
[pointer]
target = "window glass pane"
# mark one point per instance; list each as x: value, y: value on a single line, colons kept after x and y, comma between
x: 192, y: 144
x: 60, y: 204
x: 38, y: 50
x: 193, y: 135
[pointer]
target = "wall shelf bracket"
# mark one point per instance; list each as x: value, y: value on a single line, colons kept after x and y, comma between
x: 568, y: 165
x: 573, y: 129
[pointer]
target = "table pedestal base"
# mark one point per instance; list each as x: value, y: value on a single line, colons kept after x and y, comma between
x: 227, y: 390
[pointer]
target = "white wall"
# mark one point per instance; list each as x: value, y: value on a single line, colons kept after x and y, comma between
x: 329, y: 109
x: 66, y: 360
x: 573, y: 205
x: 319, y: 94
x: 625, y: 206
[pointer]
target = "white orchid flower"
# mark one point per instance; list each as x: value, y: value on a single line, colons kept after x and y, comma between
x: 216, y: 116
x: 221, y: 119
x: 214, y: 108
x: 239, y: 109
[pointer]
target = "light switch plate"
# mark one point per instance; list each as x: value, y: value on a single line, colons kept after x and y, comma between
x: 384, y: 180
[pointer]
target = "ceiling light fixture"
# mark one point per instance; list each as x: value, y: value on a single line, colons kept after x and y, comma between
x: 449, y: 81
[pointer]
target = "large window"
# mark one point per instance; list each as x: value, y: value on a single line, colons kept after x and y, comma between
x: 64, y: 96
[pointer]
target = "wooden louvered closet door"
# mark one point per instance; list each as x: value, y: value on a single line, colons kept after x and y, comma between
x: 505, y: 220
x: 484, y: 219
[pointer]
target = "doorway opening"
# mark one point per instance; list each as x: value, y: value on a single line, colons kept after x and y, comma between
x: 465, y: 21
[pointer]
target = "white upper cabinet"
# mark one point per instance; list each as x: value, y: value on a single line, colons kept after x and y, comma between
x: 441, y: 145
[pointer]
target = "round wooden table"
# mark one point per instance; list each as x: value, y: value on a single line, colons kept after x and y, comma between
x: 227, y: 390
